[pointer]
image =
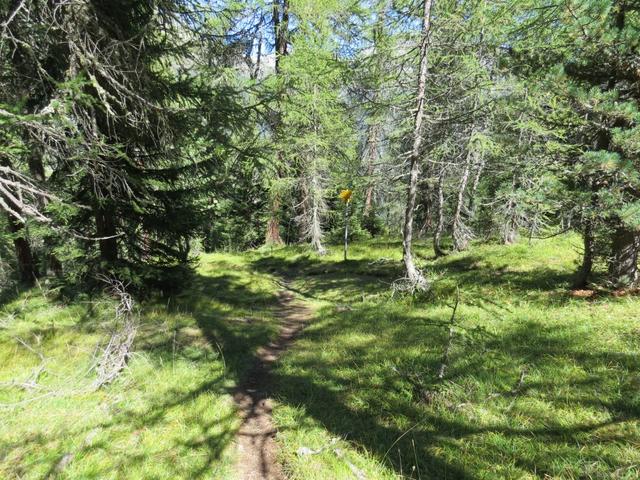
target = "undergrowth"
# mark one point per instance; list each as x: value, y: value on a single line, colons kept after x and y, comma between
x: 537, y: 383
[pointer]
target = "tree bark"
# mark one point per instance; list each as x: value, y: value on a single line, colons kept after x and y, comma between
x: 510, y: 228
x: 372, y: 157
x: 474, y: 187
x: 280, y: 29
x: 426, y: 225
x: 375, y: 128
x: 412, y: 273
x: 280, y: 33
x: 27, y: 269
x: 623, y: 265
x: 27, y: 266
x: 106, y: 232
x: 509, y: 232
x: 461, y: 237
x: 272, y: 236
x: 36, y: 169
x: 584, y: 273
x: 439, y: 230
x: 316, y: 220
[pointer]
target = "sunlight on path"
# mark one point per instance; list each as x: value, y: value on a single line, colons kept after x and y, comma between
x: 255, y: 439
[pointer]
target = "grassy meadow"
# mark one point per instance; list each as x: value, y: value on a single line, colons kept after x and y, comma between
x: 537, y: 383
x: 169, y: 415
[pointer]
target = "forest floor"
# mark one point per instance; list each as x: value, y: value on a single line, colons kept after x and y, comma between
x: 257, y: 449
x: 539, y: 382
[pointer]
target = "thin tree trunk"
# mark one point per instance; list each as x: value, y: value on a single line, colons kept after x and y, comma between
x: 318, y: 206
x: 509, y: 233
x: 316, y: 221
x: 426, y: 225
x: 474, y: 187
x: 584, y: 273
x: 27, y: 266
x: 273, y: 236
x: 346, y: 230
x: 36, y: 169
x: 439, y: 230
x: 588, y: 224
x: 106, y: 232
x: 375, y: 128
x: 510, y: 228
x: 280, y: 32
x: 623, y: 265
x: 27, y: 269
x: 461, y: 236
x: 412, y: 273
x: 372, y: 157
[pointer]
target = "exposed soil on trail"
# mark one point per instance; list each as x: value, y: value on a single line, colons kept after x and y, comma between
x: 255, y: 438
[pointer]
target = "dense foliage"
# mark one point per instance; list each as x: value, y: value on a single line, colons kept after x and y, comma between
x: 136, y: 131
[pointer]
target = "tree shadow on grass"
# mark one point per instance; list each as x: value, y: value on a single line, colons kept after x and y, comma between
x: 355, y: 396
x: 236, y: 319
x: 317, y: 277
x: 232, y: 320
x: 546, y: 285
x: 126, y: 425
x: 370, y: 422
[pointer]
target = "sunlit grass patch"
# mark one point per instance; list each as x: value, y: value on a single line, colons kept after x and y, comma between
x: 168, y: 415
x: 537, y: 382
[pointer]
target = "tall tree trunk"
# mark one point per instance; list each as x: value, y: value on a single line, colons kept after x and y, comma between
x: 510, y: 227
x: 509, y: 232
x: 439, y: 230
x: 461, y: 235
x: 273, y: 236
x: 623, y: 265
x: 317, y: 209
x: 280, y: 30
x: 36, y: 168
x: 372, y: 157
x: 412, y: 273
x: 106, y: 232
x: 428, y: 220
x: 280, y: 33
x: 584, y: 273
x: 474, y: 186
x: 318, y: 205
x: 588, y: 225
x: 375, y: 128
x: 27, y: 268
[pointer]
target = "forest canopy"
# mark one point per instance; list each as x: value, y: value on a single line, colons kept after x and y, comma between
x: 136, y: 133
x: 319, y: 239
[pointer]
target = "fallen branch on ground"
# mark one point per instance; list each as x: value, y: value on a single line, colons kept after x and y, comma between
x: 116, y: 354
x: 452, y: 321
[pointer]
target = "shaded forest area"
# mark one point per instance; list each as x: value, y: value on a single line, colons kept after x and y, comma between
x: 449, y: 190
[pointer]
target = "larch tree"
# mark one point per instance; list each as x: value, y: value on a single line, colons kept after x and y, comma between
x: 414, y: 276
x: 280, y: 23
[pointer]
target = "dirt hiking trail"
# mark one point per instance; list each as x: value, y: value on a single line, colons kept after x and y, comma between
x: 256, y: 437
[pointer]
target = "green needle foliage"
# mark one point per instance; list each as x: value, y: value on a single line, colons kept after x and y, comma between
x: 191, y: 153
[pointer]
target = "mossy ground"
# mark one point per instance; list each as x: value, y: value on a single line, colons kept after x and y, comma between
x: 169, y: 415
x: 539, y: 384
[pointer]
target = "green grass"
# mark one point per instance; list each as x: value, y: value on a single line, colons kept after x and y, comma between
x: 361, y: 370
x: 170, y: 414
x: 359, y: 388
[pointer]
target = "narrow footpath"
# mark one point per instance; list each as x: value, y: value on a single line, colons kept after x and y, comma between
x: 256, y: 436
